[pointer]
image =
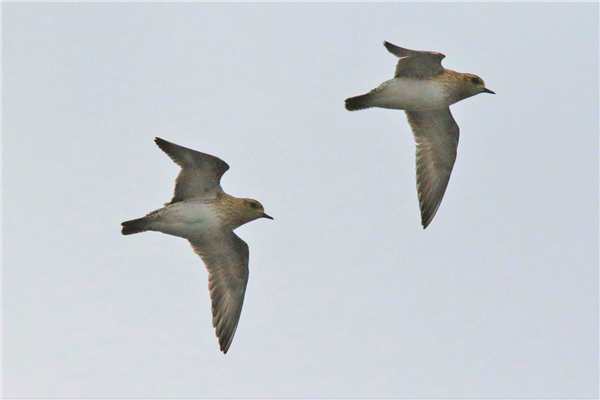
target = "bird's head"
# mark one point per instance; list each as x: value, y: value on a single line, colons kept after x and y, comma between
x: 474, y: 85
x: 254, y: 210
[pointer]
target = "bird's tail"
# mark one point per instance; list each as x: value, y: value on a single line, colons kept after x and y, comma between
x: 134, y: 226
x: 358, y: 103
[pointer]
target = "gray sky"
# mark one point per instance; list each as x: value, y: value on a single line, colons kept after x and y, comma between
x: 348, y: 296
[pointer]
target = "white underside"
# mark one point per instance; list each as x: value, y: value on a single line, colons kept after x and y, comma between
x: 409, y: 94
x: 186, y: 220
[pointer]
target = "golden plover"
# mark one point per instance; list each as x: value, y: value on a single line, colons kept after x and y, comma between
x: 206, y: 216
x: 425, y: 90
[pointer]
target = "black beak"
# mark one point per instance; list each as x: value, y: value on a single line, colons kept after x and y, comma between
x: 486, y: 90
x: 267, y: 216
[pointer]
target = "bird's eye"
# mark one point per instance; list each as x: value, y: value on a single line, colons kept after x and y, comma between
x: 253, y: 205
x: 475, y: 80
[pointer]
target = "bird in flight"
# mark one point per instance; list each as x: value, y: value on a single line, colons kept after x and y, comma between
x: 206, y: 216
x: 425, y: 90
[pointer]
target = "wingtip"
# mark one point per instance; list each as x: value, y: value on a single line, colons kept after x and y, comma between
x: 398, y: 51
x: 427, y: 217
x: 225, y: 344
x: 425, y: 223
x: 224, y: 336
x: 160, y: 142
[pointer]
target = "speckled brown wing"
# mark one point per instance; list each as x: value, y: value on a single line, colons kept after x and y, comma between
x: 226, y: 258
x: 416, y: 63
x: 436, y: 134
x: 200, y: 174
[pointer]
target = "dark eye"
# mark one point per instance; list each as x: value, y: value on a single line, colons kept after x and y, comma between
x: 253, y: 205
x: 475, y: 80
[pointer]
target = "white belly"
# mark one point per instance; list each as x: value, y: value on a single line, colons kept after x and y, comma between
x: 409, y: 94
x: 186, y: 220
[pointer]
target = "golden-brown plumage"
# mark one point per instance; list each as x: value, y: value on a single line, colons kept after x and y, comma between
x: 206, y: 216
x: 425, y: 89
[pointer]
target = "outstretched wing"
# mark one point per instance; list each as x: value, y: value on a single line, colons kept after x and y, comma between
x: 200, y: 174
x: 226, y: 258
x: 415, y: 63
x: 436, y: 134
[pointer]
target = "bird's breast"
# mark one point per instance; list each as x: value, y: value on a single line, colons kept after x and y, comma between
x: 410, y: 94
x: 187, y: 220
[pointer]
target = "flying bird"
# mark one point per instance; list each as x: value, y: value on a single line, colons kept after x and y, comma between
x: 206, y: 216
x: 425, y: 90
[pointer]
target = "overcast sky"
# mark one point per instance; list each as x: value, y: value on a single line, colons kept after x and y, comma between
x: 348, y: 296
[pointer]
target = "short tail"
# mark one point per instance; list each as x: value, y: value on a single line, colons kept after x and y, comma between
x: 357, y: 103
x: 134, y: 226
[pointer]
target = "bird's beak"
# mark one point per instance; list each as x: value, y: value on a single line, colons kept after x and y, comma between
x: 267, y: 216
x: 486, y: 90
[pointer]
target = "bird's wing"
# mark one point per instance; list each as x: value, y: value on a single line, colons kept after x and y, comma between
x: 436, y: 134
x: 416, y: 63
x: 200, y: 174
x: 226, y: 258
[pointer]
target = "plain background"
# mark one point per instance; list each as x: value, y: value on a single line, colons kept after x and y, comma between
x: 348, y: 296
